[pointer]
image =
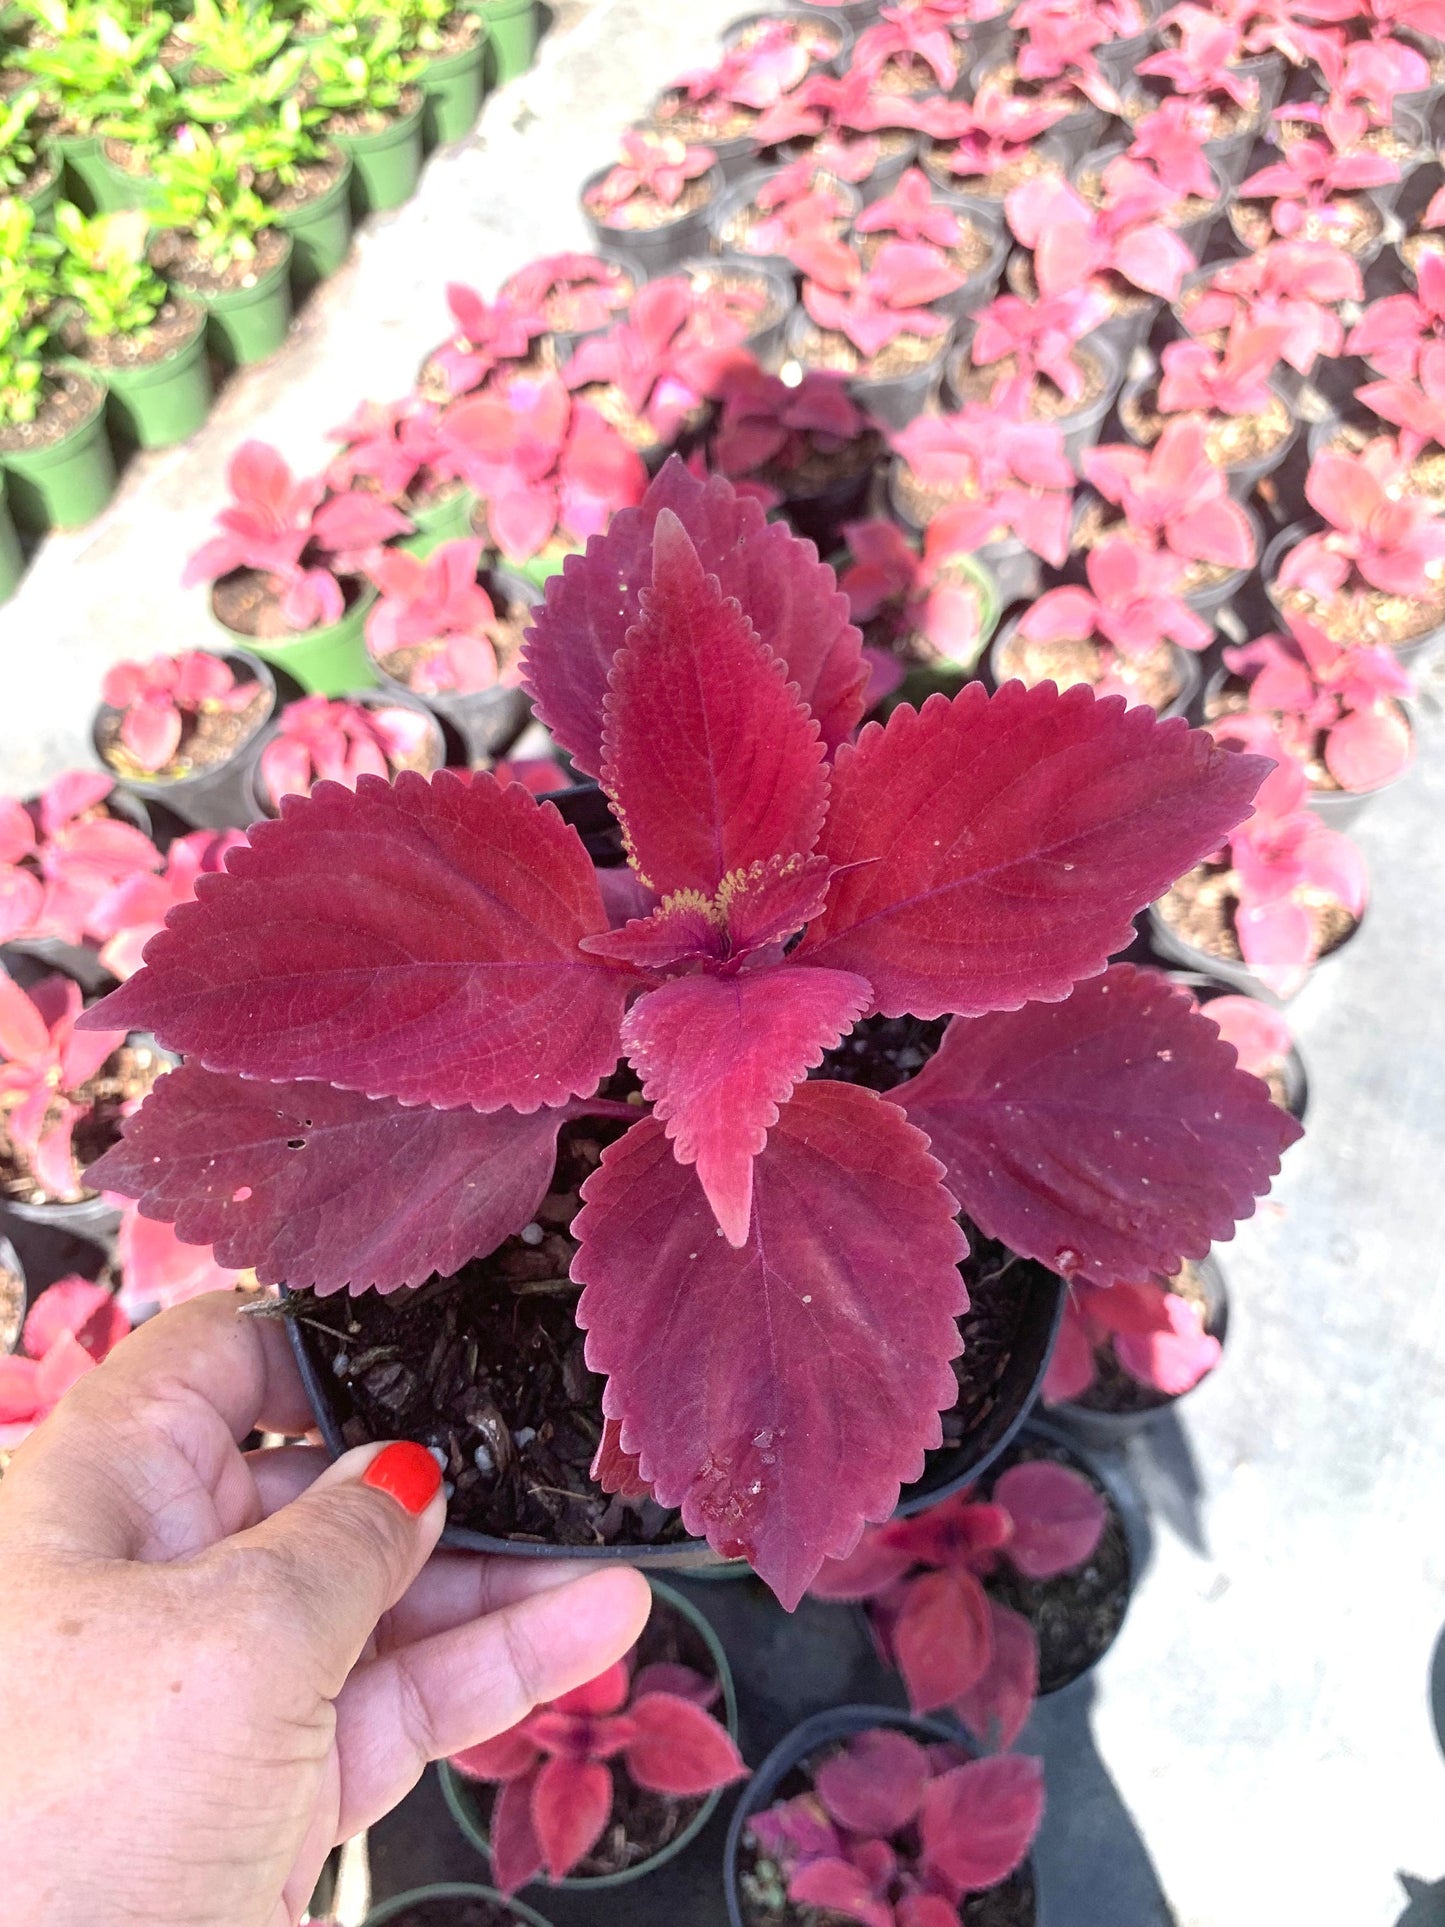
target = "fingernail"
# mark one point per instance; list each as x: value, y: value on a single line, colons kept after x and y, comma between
x: 406, y: 1472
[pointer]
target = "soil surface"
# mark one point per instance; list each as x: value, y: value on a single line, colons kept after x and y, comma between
x: 1046, y: 402
x: 122, y: 1081
x: 210, y: 735
x: 69, y: 400
x: 906, y: 354
x: 1113, y: 1390
x: 505, y: 636
x: 1200, y: 908
x: 990, y: 187
x: 1077, y: 1615
x: 1151, y: 679
x: 12, y: 1308
x: 1349, y: 222
x: 313, y: 180
x: 1229, y: 440
x: 457, y: 1913
x: 180, y: 259
x: 245, y: 603
x: 372, y: 120
x: 1366, y: 615
x: 644, y: 211
x: 922, y: 501
x: 177, y: 323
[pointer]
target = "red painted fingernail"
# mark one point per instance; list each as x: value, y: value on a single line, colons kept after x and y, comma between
x: 406, y: 1472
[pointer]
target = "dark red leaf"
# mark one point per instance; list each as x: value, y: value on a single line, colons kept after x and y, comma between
x: 1008, y: 841
x: 516, y: 1850
x: 321, y: 1187
x: 616, y: 1470
x: 925, y: 1910
x: 790, y: 598
x: 979, y: 1820
x: 874, y: 1564
x: 766, y: 903
x: 416, y: 941
x: 1057, y: 1515
x: 507, y: 1757
x: 875, y: 1784
x: 995, y: 1709
x: 1110, y: 1135
x: 778, y: 1394
x: 571, y: 1800
x: 710, y: 760
x: 942, y: 1637
x: 679, y: 1748
x: 718, y: 1055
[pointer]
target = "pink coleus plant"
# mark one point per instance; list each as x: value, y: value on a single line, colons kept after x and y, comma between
x: 555, y: 1768
x: 672, y: 351
x: 391, y: 449
x: 1074, y: 244
x: 1038, y: 338
x: 1235, y: 381
x: 655, y: 167
x: 1056, y: 52
x: 1172, y: 497
x: 1130, y: 605
x: 1301, y: 188
x: 157, y: 1270
x: 889, y: 299
x: 1169, y: 142
x: 61, y: 856
x: 895, y: 1834
x: 69, y: 1329
x: 1399, y: 332
x: 44, y: 1067
x: 933, y: 611
x: 129, y: 915
x: 1156, y: 1335
x: 933, y: 1619
x: 155, y: 698
x: 574, y: 292
x: 841, y: 120
x: 1015, y: 475
x: 794, y: 1238
x: 1260, y: 1036
x: 486, y: 337
x: 910, y: 213
x: 321, y: 740
x: 1378, y: 537
x: 763, y: 67
x: 1203, y: 62
x: 915, y: 41
x: 1296, y: 286
x: 439, y: 604
x: 989, y: 135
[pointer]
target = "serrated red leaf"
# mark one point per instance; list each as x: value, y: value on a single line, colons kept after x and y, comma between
x: 416, y: 940
x: 874, y: 1785
x: 718, y: 1055
x: 507, y: 1757
x: 799, y: 1379
x: 764, y: 904
x: 710, y: 760
x: 942, y: 1637
x: 979, y: 1820
x: 571, y: 1801
x: 1109, y: 1136
x: 996, y: 1708
x: 615, y: 1470
x: 1007, y: 842
x: 679, y: 1748
x: 326, y: 1188
x: 1058, y: 1517
x: 516, y: 1850
x: 791, y: 599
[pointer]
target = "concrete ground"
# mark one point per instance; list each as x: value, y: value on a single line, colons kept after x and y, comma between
x: 1258, y: 1746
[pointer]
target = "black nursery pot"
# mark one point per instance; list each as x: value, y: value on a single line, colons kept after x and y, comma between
x: 828, y: 1729
x: 659, y: 248
x: 217, y: 797
x: 1204, y: 989
x: 893, y: 400
x: 442, y: 1904
x: 488, y: 720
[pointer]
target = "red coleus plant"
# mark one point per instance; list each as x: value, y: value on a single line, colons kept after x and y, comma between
x: 1156, y: 1336
x: 433, y: 961
x: 915, y: 41
x: 1038, y: 338
x: 767, y: 424
x: 1377, y: 538
x: 911, y: 214
x: 1131, y: 603
x: 889, y: 299
x: 129, y: 915
x: 555, y: 1767
x: 487, y: 335
x: 155, y: 698
x: 1293, y: 285
x: 935, y: 611
x: 1015, y: 476
x: 1073, y: 244
x: 1173, y: 497
x: 841, y: 120
x: 391, y: 449
x: 655, y: 166
x: 44, y: 1066
x: 543, y: 463
x: 1234, y: 381
x: 62, y: 855
x: 577, y: 293
x: 672, y: 351
x: 989, y: 134
x: 894, y: 1834
x: 321, y: 740
x: 299, y: 542
x: 1302, y: 186
x: 924, y: 1578
x: 764, y: 66
x: 439, y: 604
x: 69, y: 1329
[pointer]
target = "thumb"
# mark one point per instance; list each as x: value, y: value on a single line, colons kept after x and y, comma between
x: 335, y: 1559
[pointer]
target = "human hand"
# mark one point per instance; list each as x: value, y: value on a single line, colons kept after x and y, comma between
x: 215, y: 1665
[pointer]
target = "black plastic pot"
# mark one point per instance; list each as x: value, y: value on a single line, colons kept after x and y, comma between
x: 1081, y: 429
x: 827, y: 1729
x: 10, y: 1261
x: 1186, y: 670
x: 394, y: 697
x: 1105, y: 1431
x: 1120, y: 59
x: 738, y: 196
x: 217, y: 798
x: 487, y: 721
x: 449, y: 1890
x: 1412, y: 654
x: 1204, y: 989
x: 657, y: 249
x: 893, y: 400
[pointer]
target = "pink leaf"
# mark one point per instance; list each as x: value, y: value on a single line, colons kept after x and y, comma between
x: 925, y: 1910
x: 996, y: 1708
x: 838, y: 1888
x: 736, y: 1417
x: 1171, y: 1361
x: 711, y: 762
x: 615, y: 1470
x: 1109, y: 1135
x: 1072, y: 1366
x: 792, y: 601
x: 1369, y: 747
x: 679, y: 1749
x: 325, y: 1188
x: 979, y: 1820
x: 1005, y: 843
x: 874, y: 1785
x: 507, y: 1757
x: 415, y: 940
x: 151, y: 731
x: 87, y: 1312
x: 942, y: 1638
x: 158, y: 1268
x: 516, y: 1850
x: 1058, y: 1517
x: 1260, y: 1036
x: 571, y: 1801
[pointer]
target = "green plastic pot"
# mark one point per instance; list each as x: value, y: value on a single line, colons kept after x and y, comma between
x: 461, y: 1800
x: 452, y: 86
x: 448, y: 520
x: 68, y: 483
x: 122, y: 189
x: 542, y: 567
x: 12, y: 561
x: 160, y: 403
x: 390, y: 1910
x: 244, y: 325
x: 333, y: 661
x: 320, y: 232
x: 511, y: 38
x: 90, y: 181
x: 42, y: 201
x: 387, y: 164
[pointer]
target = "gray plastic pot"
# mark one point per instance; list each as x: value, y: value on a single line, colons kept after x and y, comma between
x: 982, y: 285
x: 444, y: 1890
x: 1081, y: 429
x: 893, y: 400
x: 1120, y: 58
x: 1242, y: 477
x: 656, y: 249
x: 486, y: 721
x: 217, y: 798
x: 1186, y: 669
x: 1412, y: 654
x: 738, y: 196
x: 1075, y: 134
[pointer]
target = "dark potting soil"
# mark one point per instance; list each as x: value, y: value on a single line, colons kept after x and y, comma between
x: 123, y: 1079
x: 69, y: 399
x: 1200, y: 908
x: 245, y: 603
x: 372, y: 120
x: 177, y: 323
x: 1066, y: 661
x: 644, y: 211
x: 1113, y: 1390
x: 456, y: 1913
x: 1046, y: 402
x: 642, y: 1822
x: 12, y: 1308
x: 210, y: 735
x: 906, y: 354
x: 1229, y: 440
x: 181, y: 259
x: 313, y: 180
x: 1077, y: 1615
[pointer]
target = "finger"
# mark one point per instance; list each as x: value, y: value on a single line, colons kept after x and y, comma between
x: 455, y: 1587
x: 429, y: 1700
x: 281, y: 1473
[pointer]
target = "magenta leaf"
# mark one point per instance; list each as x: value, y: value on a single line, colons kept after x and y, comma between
x: 792, y: 601
x: 571, y: 1802
x: 1058, y: 1517
x: 737, y: 1418
x: 516, y: 1851
x: 996, y: 1708
x: 979, y: 1820
x: 710, y: 760
x: 765, y: 904
x: 874, y: 1785
x: 837, y: 1887
x: 326, y: 1188
x: 718, y: 1055
x: 1110, y: 1135
x: 1005, y: 843
x: 942, y: 1638
x: 416, y: 940
x: 678, y: 1748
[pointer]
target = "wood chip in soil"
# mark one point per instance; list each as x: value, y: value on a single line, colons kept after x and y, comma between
x: 210, y: 735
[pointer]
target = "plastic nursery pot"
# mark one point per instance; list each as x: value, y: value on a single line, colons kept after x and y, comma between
x: 657, y: 250
x: 445, y: 1894
x: 218, y: 797
x: 1081, y: 428
x: 511, y: 41
x: 981, y: 286
x: 811, y: 1736
x: 43, y: 195
x: 1204, y: 989
x: 320, y: 231
x: 1102, y: 1431
x: 1075, y: 134
x: 12, y: 559
x: 740, y: 194
x: 329, y: 661
x: 386, y: 164
x: 1173, y: 950
x: 486, y: 720
x: 247, y: 323
x: 446, y: 519
x: 768, y: 343
x: 1185, y: 666
x: 1415, y: 652
x: 122, y: 188
x: 155, y: 404
x: 893, y: 400
x: 1120, y: 58
x: 65, y: 483
x: 452, y: 86
x: 97, y: 187
x: 13, y: 1297
x: 260, y: 804
x: 463, y: 1803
